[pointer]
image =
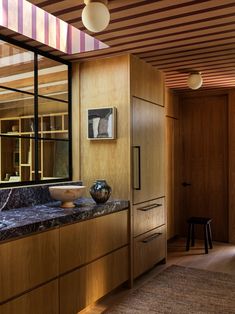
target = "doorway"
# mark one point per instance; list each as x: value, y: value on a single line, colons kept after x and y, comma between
x: 204, y: 162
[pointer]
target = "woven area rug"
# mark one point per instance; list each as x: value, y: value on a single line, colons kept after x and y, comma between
x: 181, y: 290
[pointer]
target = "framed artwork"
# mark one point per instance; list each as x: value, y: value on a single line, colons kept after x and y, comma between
x: 101, y: 123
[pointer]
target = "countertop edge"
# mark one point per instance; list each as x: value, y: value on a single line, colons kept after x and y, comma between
x: 88, y: 211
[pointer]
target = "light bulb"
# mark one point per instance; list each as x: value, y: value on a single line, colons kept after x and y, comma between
x: 195, y: 80
x: 95, y: 16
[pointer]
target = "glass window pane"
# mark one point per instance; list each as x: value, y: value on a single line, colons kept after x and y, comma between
x: 52, y: 78
x: 53, y: 118
x: 17, y: 117
x: 16, y: 67
x: 54, y: 159
x: 16, y: 113
x: 16, y: 159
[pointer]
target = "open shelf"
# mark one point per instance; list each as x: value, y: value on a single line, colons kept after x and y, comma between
x: 17, y: 158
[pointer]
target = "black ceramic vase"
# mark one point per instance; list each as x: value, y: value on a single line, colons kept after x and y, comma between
x: 100, y: 191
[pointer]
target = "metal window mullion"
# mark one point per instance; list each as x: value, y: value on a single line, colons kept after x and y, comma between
x: 70, y: 119
x: 36, y: 117
x: 31, y: 94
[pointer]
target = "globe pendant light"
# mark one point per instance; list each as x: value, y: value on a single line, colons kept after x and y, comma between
x: 95, y: 15
x: 195, y: 80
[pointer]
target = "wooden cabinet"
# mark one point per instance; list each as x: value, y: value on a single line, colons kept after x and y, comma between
x: 83, y: 242
x: 148, y: 215
x: 146, y: 81
x: 96, y: 254
x: 137, y: 91
x: 149, y: 249
x: 28, y: 262
x: 93, y: 256
x: 148, y: 150
x: 87, y: 284
x: 43, y: 300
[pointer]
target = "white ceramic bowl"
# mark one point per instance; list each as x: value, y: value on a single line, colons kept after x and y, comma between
x: 66, y: 194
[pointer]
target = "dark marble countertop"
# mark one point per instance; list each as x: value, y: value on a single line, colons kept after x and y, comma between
x: 25, y: 221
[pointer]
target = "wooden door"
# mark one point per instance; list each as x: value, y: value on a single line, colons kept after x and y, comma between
x: 148, y: 150
x: 203, y: 134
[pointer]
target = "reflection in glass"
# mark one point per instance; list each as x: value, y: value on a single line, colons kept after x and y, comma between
x: 55, y: 159
x: 17, y: 67
x: 53, y: 118
x: 16, y: 112
x: 16, y: 159
x: 52, y: 79
x: 19, y: 102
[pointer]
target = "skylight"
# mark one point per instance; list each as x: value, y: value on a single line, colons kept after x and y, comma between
x: 27, y: 19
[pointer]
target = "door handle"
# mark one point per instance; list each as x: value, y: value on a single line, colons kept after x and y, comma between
x: 136, y: 168
x: 186, y: 184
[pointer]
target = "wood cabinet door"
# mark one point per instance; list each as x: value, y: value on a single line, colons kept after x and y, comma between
x: 148, y: 216
x: 28, y: 262
x: 87, y: 284
x: 204, y: 160
x: 148, y: 150
x: 85, y: 241
x: 149, y: 249
x: 43, y: 300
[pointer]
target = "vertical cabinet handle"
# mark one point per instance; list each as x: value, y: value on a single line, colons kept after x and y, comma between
x: 136, y: 168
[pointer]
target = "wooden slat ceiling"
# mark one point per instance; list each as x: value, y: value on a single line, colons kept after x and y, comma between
x: 175, y: 36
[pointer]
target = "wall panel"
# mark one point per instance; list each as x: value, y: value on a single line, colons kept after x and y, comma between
x: 231, y: 167
x: 105, y: 83
x: 146, y: 82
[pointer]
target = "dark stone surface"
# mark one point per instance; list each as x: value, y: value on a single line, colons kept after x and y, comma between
x: 27, y: 220
x: 21, y: 197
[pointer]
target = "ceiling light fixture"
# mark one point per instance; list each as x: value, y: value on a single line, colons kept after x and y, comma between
x: 195, y: 80
x: 95, y: 15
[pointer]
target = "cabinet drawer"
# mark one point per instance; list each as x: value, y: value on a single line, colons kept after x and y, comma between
x: 82, y: 242
x: 84, y: 286
x: 149, y: 249
x: 43, y: 300
x: 28, y: 262
x: 149, y: 215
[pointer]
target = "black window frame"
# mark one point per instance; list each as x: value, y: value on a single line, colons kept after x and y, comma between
x: 37, y: 52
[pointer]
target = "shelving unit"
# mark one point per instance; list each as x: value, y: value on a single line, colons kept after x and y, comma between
x: 17, y: 154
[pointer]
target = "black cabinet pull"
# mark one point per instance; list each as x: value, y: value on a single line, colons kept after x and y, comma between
x: 151, y: 237
x: 186, y: 184
x: 146, y: 208
x: 136, y: 168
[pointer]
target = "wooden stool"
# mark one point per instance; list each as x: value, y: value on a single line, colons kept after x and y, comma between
x: 207, y: 231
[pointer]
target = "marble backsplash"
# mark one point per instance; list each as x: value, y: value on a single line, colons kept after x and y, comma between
x: 19, y: 197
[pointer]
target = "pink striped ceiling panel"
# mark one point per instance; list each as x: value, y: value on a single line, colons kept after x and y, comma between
x: 27, y: 19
